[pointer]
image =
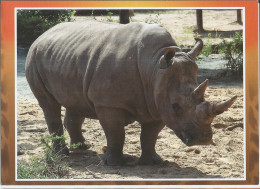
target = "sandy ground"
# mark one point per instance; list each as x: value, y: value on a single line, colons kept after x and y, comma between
x: 182, y: 24
x: 223, y: 159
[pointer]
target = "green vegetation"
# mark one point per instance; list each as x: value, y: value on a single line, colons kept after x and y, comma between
x: 110, y: 14
x: 107, y: 17
x: 233, y: 51
x: 75, y: 146
x: 32, y: 23
x: 208, y: 47
x: 153, y: 19
x: 207, y: 50
x: 49, y: 166
x: 188, y: 31
x: 163, y: 11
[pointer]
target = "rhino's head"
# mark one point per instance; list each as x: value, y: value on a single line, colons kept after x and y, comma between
x: 180, y: 100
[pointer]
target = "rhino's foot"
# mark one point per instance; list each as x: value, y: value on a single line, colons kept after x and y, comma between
x: 150, y: 159
x: 113, y: 160
x: 61, y: 150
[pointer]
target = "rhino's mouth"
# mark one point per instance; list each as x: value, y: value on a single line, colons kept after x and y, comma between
x: 190, y: 141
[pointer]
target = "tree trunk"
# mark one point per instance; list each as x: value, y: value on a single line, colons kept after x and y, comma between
x: 199, y: 20
x: 239, y: 16
x: 124, y: 16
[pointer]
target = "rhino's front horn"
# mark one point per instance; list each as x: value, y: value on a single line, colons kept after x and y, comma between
x: 223, y: 106
x: 198, y: 93
x: 196, y: 49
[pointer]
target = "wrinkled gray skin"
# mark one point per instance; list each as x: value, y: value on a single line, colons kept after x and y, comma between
x: 119, y: 74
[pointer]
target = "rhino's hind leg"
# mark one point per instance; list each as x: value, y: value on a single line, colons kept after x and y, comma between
x: 52, y: 113
x: 73, y: 122
x: 148, y: 138
x: 51, y: 108
x: 113, y: 120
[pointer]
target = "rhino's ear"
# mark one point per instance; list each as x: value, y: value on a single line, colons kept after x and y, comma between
x: 166, y: 61
x: 176, y: 48
x: 169, y: 53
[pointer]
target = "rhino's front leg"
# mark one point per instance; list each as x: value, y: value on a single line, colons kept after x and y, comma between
x: 112, y: 120
x: 148, y: 138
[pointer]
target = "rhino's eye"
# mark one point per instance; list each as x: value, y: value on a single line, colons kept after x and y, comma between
x: 177, y: 109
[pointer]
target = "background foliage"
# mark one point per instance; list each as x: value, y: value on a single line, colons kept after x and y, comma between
x: 32, y: 23
x: 233, y: 51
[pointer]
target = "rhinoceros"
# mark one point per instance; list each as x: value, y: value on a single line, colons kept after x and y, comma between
x: 119, y: 74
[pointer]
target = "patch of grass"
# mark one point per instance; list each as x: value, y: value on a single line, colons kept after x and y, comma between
x: 153, y: 19
x: 188, y: 31
x: 75, y: 146
x: 35, y: 168
x: 48, y: 166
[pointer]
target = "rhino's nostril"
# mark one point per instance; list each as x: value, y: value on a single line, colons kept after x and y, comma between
x: 188, y: 141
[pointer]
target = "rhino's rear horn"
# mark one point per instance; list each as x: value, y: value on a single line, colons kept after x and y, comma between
x: 223, y: 106
x: 196, y: 49
x: 198, y: 93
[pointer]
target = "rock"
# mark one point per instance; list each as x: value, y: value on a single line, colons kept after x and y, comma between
x: 20, y: 152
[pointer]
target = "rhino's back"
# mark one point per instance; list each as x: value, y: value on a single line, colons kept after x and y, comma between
x: 89, y: 64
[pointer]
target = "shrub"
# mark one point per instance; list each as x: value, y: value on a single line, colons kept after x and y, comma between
x: 35, y: 168
x: 207, y: 50
x: 110, y: 14
x: 32, y: 23
x: 49, y: 165
x: 233, y: 51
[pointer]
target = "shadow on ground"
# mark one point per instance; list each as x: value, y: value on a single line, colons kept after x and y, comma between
x: 91, y: 162
x: 216, y: 33
x: 219, y: 78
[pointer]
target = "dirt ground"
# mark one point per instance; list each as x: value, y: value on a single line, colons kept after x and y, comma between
x: 182, y: 24
x: 223, y: 159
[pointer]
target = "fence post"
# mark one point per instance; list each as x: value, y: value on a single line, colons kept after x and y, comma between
x: 239, y: 16
x: 199, y: 20
x: 124, y: 16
